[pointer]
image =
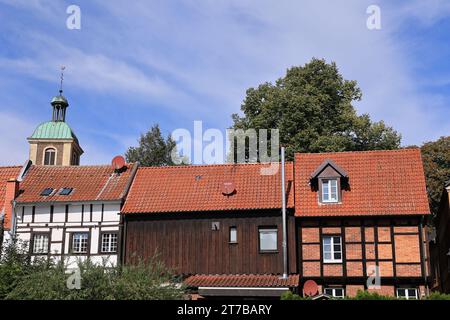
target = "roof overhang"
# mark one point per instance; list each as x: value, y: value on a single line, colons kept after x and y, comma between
x: 241, y: 291
x: 48, y: 203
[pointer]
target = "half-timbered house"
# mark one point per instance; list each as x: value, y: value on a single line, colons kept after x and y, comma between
x: 72, y: 212
x: 361, y: 215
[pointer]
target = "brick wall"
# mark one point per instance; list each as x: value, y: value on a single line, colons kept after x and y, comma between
x: 395, y: 248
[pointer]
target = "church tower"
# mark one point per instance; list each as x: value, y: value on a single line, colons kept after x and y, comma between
x: 53, y: 142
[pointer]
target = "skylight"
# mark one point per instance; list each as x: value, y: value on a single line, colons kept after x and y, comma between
x: 46, y: 192
x: 65, y: 191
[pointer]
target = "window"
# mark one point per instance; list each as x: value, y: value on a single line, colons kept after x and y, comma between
x: 233, y: 235
x: 109, y: 242
x: 49, y: 157
x: 40, y: 243
x: 65, y: 191
x: 335, y: 292
x: 46, y: 192
x: 329, y: 190
x: 268, y: 239
x: 332, y: 249
x: 80, y: 242
x: 408, y: 293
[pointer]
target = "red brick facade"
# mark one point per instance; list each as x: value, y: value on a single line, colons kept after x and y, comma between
x: 394, y: 245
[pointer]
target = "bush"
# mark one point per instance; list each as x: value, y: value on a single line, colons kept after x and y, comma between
x: 288, y: 295
x: 22, y: 278
x: 366, y: 295
x: 438, y: 296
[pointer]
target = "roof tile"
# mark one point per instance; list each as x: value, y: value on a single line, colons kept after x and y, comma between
x: 6, y: 173
x: 381, y: 183
x: 199, y: 188
x: 89, y: 183
x: 242, y: 280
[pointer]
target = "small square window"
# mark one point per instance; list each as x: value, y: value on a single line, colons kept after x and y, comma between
x: 408, y: 293
x: 335, y: 292
x: 268, y: 240
x: 80, y: 242
x: 40, y: 243
x: 329, y: 190
x: 332, y: 249
x: 233, y: 235
x: 109, y: 242
x: 46, y: 192
x: 65, y: 191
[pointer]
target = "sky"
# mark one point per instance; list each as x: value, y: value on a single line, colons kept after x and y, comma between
x: 136, y: 63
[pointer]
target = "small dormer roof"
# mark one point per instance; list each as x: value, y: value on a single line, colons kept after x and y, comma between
x: 324, y: 165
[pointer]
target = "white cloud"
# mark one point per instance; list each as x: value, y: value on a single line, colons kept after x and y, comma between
x: 13, y: 144
x: 198, y: 57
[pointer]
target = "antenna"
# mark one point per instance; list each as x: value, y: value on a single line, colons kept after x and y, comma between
x: 62, y: 79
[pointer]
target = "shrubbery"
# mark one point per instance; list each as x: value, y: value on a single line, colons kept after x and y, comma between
x: 366, y: 295
x: 40, y: 279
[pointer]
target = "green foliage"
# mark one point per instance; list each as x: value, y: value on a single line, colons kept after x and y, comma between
x: 436, y: 163
x: 312, y: 108
x: 438, y: 296
x: 15, y: 264
x: 288, y: 295
x: 22, y: 278
x: 366, y: 295
x: 155, y: 150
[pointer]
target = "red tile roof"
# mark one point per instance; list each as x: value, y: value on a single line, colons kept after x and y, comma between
x: 199, y: 188
x: 89, y: 183
x: 381, y: 183
x: 242, y: 280
x: 6, y: 173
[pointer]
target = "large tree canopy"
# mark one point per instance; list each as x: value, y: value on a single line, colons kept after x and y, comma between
x: 312, y: 108
x: 153, y: 149
x: 436, y: 163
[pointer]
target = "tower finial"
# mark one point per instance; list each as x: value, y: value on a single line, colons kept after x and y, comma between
x: 62, y: 79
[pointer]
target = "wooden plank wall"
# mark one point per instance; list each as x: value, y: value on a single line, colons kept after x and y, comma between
x: 187, y: 244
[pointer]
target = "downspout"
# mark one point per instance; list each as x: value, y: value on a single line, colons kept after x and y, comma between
x: 425, y: 256
x: 283, y: 210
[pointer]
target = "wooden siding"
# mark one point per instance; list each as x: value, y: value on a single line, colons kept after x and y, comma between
x: 187, y: 244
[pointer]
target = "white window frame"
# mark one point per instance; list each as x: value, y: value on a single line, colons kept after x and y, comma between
x: 109, y: 244
x: 43, y: 245
x: 333, y: 292
x: 262, y: 231
x: 233, y: 235
x: 332, y: 250
x: 55, y: 155
x: 407, y: 296
x: 78, y: 249
x: 328, y: 183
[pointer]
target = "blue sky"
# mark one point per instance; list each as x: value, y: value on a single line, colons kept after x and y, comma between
x: 135, y: 63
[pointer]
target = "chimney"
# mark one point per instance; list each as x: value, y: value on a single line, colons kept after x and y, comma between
x: 12, y: 191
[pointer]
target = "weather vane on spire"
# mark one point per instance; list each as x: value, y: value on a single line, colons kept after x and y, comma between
x: 62, y: 79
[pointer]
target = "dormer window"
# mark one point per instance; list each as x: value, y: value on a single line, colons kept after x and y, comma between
x: 329, y: 190
x: 328, y: 180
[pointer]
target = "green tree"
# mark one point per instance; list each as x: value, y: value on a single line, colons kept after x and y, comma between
x: 154, y: 150
x: 312, y: 108
x: 436, y: 163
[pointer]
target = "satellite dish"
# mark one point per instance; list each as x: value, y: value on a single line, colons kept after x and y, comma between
x: 310, y: 288
x: 118, y: 162
x: 228, y: 188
